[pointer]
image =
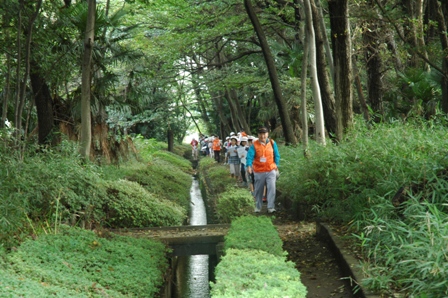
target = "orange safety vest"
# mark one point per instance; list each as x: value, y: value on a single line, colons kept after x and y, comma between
x: 216, y: 145
x: 263, y: 151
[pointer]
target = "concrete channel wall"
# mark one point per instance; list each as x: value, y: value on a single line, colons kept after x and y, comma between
x: 348, y: 264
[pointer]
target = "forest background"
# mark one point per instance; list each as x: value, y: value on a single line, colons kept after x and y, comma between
x: 98, y: 72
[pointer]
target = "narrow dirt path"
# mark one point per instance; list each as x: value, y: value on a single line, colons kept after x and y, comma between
x: 318, y: 267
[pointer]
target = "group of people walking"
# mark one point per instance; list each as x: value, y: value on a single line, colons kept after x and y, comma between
x: 252, y: 161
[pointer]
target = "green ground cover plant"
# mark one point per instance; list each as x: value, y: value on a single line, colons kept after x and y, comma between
x: 233, y: 203
x: 256, y: 274
x: 254, y: 264
x: 131, y: 205
x: 46, y: 189
x: 219, y: 178
x: 78, y: 263
x: 254, y: 232
x: 158, y: 176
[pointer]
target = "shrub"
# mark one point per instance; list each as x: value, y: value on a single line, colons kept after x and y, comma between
x: 147, y: 147
x: 158, y: 177
x: 254, y: 232
x: 219, y: 178
x: 39, y: 186
x: 175, y: 160
x: 232, y: 203
x: 342, y: 180
x: 205, y: 163
x: 79, y: 263
x: 407, y: 252
x: 255, y: 273
x: 130, y: 205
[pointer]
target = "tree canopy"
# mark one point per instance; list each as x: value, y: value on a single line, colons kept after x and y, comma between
x: 177, y: 66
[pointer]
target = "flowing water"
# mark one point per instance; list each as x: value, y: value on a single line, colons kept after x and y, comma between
x: 193, y: 273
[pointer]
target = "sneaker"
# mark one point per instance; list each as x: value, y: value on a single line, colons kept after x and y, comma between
x: 257, y: 210
x: 271, y: 210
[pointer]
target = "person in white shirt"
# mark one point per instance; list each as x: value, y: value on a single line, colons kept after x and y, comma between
x: 242, y: 152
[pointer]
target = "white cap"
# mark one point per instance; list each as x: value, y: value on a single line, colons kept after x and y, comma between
x: 232, y: 133
x: 243, y: 139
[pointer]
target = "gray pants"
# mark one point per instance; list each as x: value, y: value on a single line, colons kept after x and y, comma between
x: 262, y: 179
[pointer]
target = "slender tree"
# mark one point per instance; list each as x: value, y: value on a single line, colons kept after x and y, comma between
x: 86, y: 120
x: 328, y: 102
x: 319, y: 114
x: 273, y: 76
x: 342, y: 47
x: 304, y: 111
x: 20, y: 99
x: 442, y: 29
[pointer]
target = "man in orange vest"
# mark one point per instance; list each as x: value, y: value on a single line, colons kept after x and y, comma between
x: 263, y: 159
x: 217, y: 148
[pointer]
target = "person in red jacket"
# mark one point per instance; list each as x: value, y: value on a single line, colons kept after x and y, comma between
x: 263, y: 159
x: 194, y: 148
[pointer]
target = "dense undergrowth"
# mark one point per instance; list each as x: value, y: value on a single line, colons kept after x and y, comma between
x: 78, y: 263
x: 47, y: 194
x: 389, y: 185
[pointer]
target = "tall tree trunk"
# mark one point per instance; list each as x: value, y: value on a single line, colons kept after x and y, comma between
x: 341, y: 40
x: 323, y: 29
x: 362, y: 100
x: 442, y: 27
x: 319, y: 117
x: 86, y: 120
x: 170, y: 138
x: 392, y: 46
x: 17, y: 113
x: 233, y: 113
x: 273, y: 76
x: 200, y: 102
x: 7, y: 74
x: 44, y: 104
x: 374, y: 66
x: 240, y: 112
x: 328, y: 101
x: 217, y: 99
x: 6, y: 91
x: 415, y: 35
x: 304, y: 112
x: 29, y: 36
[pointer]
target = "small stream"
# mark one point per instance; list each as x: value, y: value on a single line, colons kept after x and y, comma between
x: 193, y: 271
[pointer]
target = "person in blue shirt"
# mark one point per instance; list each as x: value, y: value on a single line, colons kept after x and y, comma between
x: 263, y: 159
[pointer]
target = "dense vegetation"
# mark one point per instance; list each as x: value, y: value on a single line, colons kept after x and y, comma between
x: 72, y: 262
x: 44, y: 199
x: 388, y: 185
x: 163, y: 69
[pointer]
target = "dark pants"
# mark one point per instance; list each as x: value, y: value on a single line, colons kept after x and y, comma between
x: 243, y: 172
x: 217, y: 155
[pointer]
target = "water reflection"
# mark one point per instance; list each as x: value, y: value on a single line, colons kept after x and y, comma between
x: 194, y: 270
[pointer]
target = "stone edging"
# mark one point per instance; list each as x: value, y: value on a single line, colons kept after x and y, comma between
x: 347, y: 263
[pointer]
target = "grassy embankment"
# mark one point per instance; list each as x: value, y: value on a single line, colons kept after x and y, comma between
x: 44, y: 200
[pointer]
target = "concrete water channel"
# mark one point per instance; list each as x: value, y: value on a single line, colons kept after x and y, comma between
x: 195, y: 271
x: 195, y: 249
